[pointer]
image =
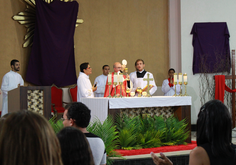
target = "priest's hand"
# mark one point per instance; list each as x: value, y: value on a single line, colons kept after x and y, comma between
x: 123, y: 67
x: 171, y: 79
x: 159, y: 161
x: 94, y: 88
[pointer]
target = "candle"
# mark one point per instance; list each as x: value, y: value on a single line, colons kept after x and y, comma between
x: 185, y: 78
x: 180, y: 78
x: 175, y: 78
x: 109, y: 78
x: 121, y: 78
x: 115, y: 78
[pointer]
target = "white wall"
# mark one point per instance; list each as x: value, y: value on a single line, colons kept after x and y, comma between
x: 202, y: 11
x: 174, y: 35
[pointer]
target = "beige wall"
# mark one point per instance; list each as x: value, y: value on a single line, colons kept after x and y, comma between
x: 112, y: 30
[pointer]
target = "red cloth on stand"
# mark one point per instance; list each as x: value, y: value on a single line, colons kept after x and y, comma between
x: 220, y: 88
x: 112, y: 89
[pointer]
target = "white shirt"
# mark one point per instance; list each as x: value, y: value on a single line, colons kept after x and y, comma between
x: 10, y: 81
x: 101, y: 84
x: 138, y: 82
x: 169, y: 91
x: 84, y: 87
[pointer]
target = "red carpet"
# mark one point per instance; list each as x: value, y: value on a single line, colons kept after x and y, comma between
x: 158, y: 149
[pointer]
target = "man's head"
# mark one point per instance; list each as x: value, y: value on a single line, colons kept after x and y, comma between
x: 15, y: 65
x: 78, y: 115
x: 85, y: 68
x: 106, y: 70
x: 117, y: 66
x: 139, y: 64
x: 171, y: 72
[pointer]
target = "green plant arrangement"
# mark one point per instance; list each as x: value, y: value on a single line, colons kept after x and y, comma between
x: 134, y: 132
x: 147, y: 132
x: 57, y: 125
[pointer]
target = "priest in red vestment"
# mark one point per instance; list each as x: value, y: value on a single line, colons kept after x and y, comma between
x: 118, y: 69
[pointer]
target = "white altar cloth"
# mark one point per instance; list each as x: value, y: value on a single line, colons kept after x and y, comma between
x: 99, y: 105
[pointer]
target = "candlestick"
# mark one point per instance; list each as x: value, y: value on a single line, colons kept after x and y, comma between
x: 175, y: 82
x: 115, y: 78
x: 185, y: 84
x: 185, y: 78
x: 109, y: 77
x: 180, y: 83
x: 121, y: 82
x: 175, y: 78
x: 115, y: 82
x: 109, y: 83
x: 180, y: 78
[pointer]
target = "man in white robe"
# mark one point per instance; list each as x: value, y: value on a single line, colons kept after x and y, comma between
x: 168, y: 87
x: 138, y: 76
x: 85, y: 88
x: 10, y: 81
x: 101, y: 81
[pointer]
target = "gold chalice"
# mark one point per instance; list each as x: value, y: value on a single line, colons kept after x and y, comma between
x: 128, y: 91
x: 132, y: 94
x: 139, y: 90
x: 144, y: 93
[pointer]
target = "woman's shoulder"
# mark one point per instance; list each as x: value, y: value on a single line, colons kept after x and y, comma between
x: 199, y: 156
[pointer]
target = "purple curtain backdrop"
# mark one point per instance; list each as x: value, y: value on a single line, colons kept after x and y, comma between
x: 211, y: 47
x: 52, y: 56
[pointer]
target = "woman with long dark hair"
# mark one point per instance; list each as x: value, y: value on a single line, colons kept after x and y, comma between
x: 214, y: 138
x: 27, y: 138
x: 75, y: 149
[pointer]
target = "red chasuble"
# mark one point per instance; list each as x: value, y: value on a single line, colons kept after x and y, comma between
x: 112, y: 89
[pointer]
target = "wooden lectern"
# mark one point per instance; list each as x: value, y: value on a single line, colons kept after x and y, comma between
x: 32, y: 98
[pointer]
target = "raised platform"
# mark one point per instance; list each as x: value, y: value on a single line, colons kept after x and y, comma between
x: 178, y: 158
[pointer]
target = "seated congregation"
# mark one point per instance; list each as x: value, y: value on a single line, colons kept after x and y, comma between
x: 27, y: 138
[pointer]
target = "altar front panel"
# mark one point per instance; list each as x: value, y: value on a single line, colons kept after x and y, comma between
x: 100, y: 106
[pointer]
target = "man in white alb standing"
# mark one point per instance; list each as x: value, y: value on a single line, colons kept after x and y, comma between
x: 138, y: 76
x: 101, y: 81
x: 11, y: 80
x: 85, y: 88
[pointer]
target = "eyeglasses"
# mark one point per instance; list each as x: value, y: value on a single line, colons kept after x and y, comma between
x: 63, y: 119
x: 89, y: 68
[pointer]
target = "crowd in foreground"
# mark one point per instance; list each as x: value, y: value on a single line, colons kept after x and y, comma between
x: 27, y: 138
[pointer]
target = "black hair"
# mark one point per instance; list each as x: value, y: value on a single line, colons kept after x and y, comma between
x: 74, y: 147
x: 13, y: 62
x: 83, y: 66
x: 80, y: 114
x: 171, y: 69
x: 138, y: 61
x: 68, y: 106
x: 214, y: 127
x: 104, y: 66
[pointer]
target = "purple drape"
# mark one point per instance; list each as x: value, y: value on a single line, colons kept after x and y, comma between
x: 211, y: 47
x: 52, y: 55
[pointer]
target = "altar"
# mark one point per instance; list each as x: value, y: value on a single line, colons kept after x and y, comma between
x: 101, y: 107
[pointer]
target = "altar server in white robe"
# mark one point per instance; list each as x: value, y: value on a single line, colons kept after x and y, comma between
x: 168, y: 87
x: 138, y: 76
x: 10, y: 81
x: 101, y: 81
x: 85, y: 88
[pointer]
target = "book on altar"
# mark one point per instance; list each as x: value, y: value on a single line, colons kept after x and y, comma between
x: 145, y: 88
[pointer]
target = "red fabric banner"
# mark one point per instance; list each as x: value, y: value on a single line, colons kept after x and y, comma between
x: 220, y: 88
